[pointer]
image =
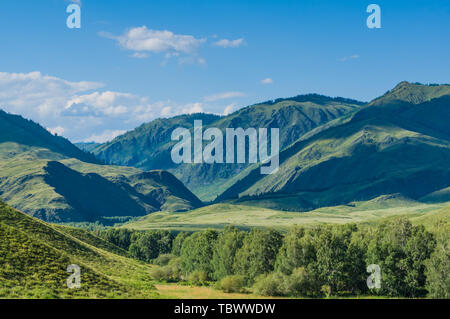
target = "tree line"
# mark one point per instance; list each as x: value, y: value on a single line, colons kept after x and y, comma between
x: 303, y: 262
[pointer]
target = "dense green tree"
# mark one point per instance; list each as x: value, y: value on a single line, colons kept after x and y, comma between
x: 438, y: 265
x: 120, y: 237
x: 197, y: 252
x: 335, y: 257
x: 150, y: 244
x: 400, y: 249
x: 224, y: 256
x: 298, y: 250
x: 178, y: 243
x: 258, y: 253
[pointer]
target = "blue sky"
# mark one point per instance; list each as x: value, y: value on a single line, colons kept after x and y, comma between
x: 133, y: 61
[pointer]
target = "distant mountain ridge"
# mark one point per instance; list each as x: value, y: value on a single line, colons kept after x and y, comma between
x: 149, y: 146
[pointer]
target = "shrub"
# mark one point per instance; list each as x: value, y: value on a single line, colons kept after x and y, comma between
x: 166, y: 273
x: 273, y: 284
x: 198, y: 277
x: 163, y: 260
x: 231, y: 284
x: 301, y: 284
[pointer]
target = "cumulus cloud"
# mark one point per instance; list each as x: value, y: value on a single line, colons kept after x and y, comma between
x: 267, y: 81
x: 223, y: 96
x: 229, y: 109
x: 193, y: 108
x: 225, y: 43
x: 142, y: 41
x: 105, y: 136
x: 57, y: 130
x: 78, y: 110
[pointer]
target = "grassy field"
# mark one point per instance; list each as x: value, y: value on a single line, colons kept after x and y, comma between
x: 34, y: 257
x: 221, y: 215
x: 177, y: 291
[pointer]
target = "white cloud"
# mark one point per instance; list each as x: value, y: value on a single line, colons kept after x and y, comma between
x: 139, y: 55
x: 142, y: 40
x: 57, y: 130
x: 166, y: 111
x: 352, y: 57
x: 229, y: 109
x: 267, y: 81
x: 225, y: 43
x: 77, y: 106
x: 81, y: 111
x: 223, y: 96
x: 105, y: 136
x: 193, y: 108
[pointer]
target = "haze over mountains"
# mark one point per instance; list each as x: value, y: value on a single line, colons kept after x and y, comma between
x: 333, y: 151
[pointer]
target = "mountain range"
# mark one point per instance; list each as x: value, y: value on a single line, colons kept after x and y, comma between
x: 48, y: 177
x: 149, y: 146
x: 334, y: 151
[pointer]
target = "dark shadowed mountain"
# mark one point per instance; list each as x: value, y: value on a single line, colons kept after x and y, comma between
x: 398, y: 144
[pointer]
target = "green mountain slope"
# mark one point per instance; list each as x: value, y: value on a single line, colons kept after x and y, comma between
x: 16, y: 129
x: 53, y: 185
x: 34, y: 257
x: 396, y: 147
x: 414, y: 93
x: 149, y: 146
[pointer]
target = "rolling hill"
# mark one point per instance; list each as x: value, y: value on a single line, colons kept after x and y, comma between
x: 399, y: 143
x: 149, y: 146
x: 34, y: 257
x: 48, y: 177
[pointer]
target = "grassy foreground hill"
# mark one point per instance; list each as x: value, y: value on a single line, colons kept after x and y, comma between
x: 149, y: 146
x: 34, y: 257
x: 48, y: 177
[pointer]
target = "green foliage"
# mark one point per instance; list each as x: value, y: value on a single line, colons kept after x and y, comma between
x: 197, y: 252
x: 302, y: 284
x: 273, y: 284
x: 163, y: 259
x: 167, y: 273
x: 297, y: 250
x: 401, y: 249
x: 121, y: 237
x: 438, y: 265
x: 258, y: 253
x: 178, y: 243
x: 233, y: 283
x: 149, y: 245
x: 339, y: 264
x: 198, y: 277
x: 224, y: 256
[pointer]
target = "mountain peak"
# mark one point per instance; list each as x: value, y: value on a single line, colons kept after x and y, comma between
x: 415, y: 93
